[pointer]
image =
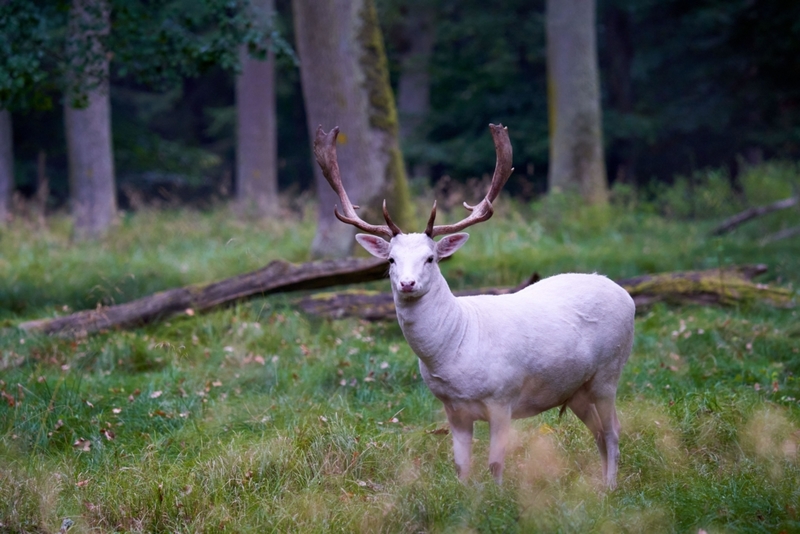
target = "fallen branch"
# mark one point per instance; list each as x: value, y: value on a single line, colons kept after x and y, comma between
x: 278, y: 276
x: 713, y: 286
x: 783, y: 234
x: 751, y: 213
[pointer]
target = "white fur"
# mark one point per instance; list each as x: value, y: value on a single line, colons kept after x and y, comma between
x: 562, y: 341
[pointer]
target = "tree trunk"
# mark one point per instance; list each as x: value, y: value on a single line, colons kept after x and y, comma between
x: 6, y: 165
x: 417, y: 36
x: 576, y: 145
x: 257, y: 132
x: 87, y: 119
x: 345, y: 82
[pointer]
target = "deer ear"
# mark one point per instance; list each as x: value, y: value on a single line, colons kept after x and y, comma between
x: 447, y: 245
x: 377, y: 246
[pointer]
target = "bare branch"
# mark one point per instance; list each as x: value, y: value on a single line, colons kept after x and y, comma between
x: 751, y: 213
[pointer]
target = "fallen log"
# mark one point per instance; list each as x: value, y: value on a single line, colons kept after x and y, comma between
x: 278, y: 276
x: 751, y: 213
x: 714, y: 286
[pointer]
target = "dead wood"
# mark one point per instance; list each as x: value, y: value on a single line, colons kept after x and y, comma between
x: 783, y: 234
x: 278, y: 276
x: 714, y: 286
x: 751, y: 213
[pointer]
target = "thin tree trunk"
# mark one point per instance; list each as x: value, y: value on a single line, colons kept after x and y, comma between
x: 573, y: 90
x: 257, y: 132
x: 6, y: 165
x: 345, y: 83
x: 87, y: 120
x: 418, y: 36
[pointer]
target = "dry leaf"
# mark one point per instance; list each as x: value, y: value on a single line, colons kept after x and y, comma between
x: 116, y: 410
x: 82, y: 483
x: 156, y: 394
x: 82, y: 445
x: 9, y: 399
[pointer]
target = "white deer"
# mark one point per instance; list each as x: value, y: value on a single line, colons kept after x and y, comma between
x: 560, y: 342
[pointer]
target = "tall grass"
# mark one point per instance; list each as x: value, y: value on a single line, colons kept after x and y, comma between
x: 257, y: 418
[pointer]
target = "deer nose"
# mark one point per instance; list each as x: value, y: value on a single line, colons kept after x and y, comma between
x: 407, y: 285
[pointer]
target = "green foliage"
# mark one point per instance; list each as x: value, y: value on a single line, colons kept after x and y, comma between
x: 157, y: 44
x: 704, y: 194
x: 258, y: 418
x: 773, y: 181
x: 26, y: 45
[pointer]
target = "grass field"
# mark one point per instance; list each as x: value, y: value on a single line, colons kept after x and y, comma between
x: 257, y: 418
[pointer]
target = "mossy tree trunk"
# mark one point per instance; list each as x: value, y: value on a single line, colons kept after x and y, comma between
x: 345, y: 80
x: 257, y: 132
x: 87, y: 120
x: 6, y: 165
x: 573, y: 94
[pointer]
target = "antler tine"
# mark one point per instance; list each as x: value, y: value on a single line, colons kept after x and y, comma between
x: 325, y: 153
x: 389, y: 222
x: 429, y: 229
x: 483, y: 210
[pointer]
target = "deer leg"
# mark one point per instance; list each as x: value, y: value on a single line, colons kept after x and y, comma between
x: 461, y: 428
x: 499, y: 426
x: 581, y: 405
x: 607, y: 412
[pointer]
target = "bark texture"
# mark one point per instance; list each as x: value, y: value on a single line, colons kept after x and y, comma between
x: 573, y: 91
x: 257, y: 132
x: 6, y: 165
x: 345, y: 83
x: 278, y: 276
x: 87, y: 120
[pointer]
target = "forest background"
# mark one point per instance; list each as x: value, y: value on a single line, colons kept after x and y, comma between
x: 684, y: 86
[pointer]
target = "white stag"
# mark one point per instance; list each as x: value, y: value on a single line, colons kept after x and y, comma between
x: 560, y: 342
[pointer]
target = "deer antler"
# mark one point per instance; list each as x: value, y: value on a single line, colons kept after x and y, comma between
x: 483, y: 210
x: 325, y: 152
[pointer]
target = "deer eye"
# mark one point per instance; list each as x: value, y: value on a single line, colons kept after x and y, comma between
x: 391, y: 260
x: 429, y: 260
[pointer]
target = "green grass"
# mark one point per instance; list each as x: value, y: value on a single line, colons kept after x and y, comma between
x: 257, y: 418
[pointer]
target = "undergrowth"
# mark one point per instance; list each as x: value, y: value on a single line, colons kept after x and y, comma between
x: 257, y: 418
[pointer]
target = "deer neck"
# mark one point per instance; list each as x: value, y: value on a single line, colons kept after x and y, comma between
x: 432, y: 324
